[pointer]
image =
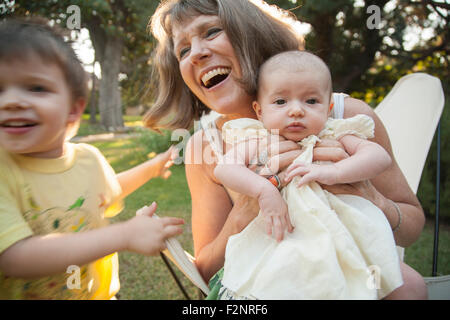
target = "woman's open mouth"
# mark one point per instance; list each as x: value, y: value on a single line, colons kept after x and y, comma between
x: 214, y: 77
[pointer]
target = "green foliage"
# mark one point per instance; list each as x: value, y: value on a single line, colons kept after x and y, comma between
x: 155, y: 142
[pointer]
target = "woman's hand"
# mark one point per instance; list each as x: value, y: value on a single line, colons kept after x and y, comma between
x: 322, y: 173
x: 329, y: 150
x: 281, y: 153
x: 364, y: 189
x: 245, y: 209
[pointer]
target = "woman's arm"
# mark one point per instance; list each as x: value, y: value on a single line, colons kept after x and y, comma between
x: 214, y: 217
x: 391, y: 184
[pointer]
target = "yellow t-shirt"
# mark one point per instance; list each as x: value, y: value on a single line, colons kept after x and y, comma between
x: 73, y: 193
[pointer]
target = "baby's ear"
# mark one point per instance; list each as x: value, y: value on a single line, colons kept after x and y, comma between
x: 257, y: 108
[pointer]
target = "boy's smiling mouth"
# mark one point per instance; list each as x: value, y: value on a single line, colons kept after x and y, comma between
x: 17, y: 126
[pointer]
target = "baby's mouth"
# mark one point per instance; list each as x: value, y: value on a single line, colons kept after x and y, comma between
x: 214, y: 77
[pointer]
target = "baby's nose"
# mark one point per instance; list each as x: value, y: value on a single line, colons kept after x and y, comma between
x: 296, y: 109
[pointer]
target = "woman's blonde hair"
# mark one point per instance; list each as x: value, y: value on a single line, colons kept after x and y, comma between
x: 256, y: 31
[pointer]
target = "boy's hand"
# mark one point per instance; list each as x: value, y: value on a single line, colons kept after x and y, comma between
x: 326, y: 173
x: 146, y: 235
x: 164, y: 161
x: 275, y: 213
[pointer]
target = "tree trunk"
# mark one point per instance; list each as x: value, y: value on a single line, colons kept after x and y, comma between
x: 110, y: 102
x: 93, y: 99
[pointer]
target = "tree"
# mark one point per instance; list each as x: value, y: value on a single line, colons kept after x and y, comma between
x: 117, y: 29
x: 358, y: 52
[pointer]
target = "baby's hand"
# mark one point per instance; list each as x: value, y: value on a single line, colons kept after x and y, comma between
x: 275, y: 213
x: 146, y: 234
x: 323, y: 173
x: 164, y: 161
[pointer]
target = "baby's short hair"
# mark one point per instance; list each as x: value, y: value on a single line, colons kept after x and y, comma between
x: 295, y: 60
x: 23, y: 38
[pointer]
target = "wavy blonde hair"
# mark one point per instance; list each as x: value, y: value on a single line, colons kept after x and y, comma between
x: 256, y: 31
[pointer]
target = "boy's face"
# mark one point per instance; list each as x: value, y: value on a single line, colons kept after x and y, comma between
x: 294, y: 102
x: 35, y: 108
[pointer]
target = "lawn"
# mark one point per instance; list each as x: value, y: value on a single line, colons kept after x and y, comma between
x: 148, y: 278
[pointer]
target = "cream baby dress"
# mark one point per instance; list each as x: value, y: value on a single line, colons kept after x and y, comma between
x: 342, y: 247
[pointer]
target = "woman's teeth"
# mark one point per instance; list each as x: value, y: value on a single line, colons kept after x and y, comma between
x: 215, y: 76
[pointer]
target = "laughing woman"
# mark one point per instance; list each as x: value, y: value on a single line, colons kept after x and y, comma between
x: 208, y: 55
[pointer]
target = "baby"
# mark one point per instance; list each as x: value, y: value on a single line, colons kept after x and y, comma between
x: 340, y: 244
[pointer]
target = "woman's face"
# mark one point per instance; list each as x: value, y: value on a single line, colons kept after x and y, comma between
x: 209, y: 66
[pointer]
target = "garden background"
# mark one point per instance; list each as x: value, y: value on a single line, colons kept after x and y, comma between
x: 366, y: 52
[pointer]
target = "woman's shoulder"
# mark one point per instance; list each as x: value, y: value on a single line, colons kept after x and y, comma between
x: 199, y: 157
x: 354, y: 107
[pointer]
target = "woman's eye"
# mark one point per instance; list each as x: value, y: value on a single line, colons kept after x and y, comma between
x: 311, y: 101
x: 183, y: 52
x: 212, y: 32
x: 280, y: 102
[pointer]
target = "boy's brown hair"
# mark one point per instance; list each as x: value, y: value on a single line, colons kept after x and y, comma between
x: 22, y: 38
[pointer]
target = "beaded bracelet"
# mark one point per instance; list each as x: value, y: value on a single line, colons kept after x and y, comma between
x: 400, y: 215
x: 275, y: 180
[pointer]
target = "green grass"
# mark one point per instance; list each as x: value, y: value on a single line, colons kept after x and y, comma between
x: 148, y: 278
x: 87, y: 128
x: 420, y: 254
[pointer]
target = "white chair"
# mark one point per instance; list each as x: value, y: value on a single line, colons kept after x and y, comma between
x: 411, y: 113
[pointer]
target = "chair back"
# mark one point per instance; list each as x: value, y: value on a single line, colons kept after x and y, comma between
x: 411, y: 113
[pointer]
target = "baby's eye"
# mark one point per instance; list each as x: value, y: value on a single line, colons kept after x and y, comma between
x: 212, y: 32
x: 280, y: 102
x: 311, y: 101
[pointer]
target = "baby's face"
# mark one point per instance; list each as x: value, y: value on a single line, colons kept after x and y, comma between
x: 35, y: 108
x: 294, y: 103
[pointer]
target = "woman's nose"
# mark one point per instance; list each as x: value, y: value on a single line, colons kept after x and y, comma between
x: 199, y: 51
